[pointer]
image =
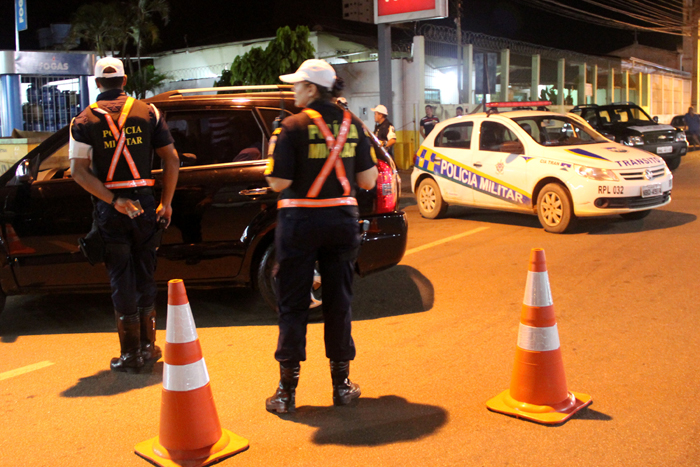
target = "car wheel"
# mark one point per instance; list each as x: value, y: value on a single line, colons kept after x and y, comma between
x: 266, y: 285
x: 554, y: 208
x: 634, y: 216
x: 673, y: 163
x: 430, y: 202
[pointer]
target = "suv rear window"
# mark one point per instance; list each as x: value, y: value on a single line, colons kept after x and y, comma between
x: 216, y: 137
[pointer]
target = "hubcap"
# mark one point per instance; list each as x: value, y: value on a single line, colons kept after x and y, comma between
x: 427, y: 198
x: 551, y: 209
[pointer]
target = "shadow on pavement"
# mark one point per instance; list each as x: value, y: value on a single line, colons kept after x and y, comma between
x: 400, y: 290
x: 110, y: 383
x: 396, y: 291
x: 585, y: 414
x: 371, y: 422
x: 657, y: 220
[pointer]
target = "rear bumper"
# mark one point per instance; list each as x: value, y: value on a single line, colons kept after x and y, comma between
x: 384, y: 243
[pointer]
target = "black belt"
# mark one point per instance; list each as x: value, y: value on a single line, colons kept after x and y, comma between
x: 144, y: 190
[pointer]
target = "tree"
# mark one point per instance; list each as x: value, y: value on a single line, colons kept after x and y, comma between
x: 283, y: 55
x: 143, y: 30
x: 102, y: 26
x: 144, y: 80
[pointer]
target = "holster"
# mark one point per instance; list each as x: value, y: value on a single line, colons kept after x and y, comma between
x: 92, y: 245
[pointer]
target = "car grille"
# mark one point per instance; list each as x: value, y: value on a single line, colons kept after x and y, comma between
x: 635, y: 202
x: 638, y: 174
x: 659, y: 137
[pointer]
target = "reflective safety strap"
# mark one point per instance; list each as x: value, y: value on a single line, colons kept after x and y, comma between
x: 131, y: 183
x: 120, y: 137
x: 316, y: 203
x: 333, y: 161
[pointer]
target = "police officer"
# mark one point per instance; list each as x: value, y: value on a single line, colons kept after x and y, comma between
x: 383, y: 129
x: 318, y: 157
x: 111, y: 154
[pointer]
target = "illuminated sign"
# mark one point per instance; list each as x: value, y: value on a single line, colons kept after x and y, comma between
x: 21, y: 14
x: 399, y: 11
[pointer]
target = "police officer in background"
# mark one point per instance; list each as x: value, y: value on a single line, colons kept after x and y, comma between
x: 111, y: 154
x: 318, y: 157
x: 383, y: 129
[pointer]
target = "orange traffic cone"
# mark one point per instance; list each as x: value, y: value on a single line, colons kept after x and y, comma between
x: 190, y: 432
x: 14, y: 244
x: 538, y: 389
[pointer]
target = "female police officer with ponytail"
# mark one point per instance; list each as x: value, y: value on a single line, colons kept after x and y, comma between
x: 319, y: 156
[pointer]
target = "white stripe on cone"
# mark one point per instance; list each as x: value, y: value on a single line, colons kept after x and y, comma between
x: 185, y: 377
x: 180, y: 328
x: 537, y: 291
x: 538, y: 339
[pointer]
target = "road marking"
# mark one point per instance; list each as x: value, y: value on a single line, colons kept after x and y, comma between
x: 24, y: 369
x: 444, y: 240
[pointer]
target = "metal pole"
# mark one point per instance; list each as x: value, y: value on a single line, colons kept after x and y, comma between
x: 385, y: 91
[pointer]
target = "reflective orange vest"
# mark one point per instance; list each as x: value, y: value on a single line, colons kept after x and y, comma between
x: 333, y: 162
x: 120, y: 136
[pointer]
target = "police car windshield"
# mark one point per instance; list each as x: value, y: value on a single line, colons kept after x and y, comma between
x: 558, y: 130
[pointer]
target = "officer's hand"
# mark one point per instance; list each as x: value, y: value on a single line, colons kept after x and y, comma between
x: 164, y: 212
x: 120, y: 205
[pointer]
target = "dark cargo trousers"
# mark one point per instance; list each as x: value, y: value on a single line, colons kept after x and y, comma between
x: 130, y: 255
x: 330, y: 236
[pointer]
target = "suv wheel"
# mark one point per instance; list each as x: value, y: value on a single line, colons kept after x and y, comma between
x: 265, y: 279
x: 673, y: 163
x: 554, y: 208
x: 430, y: 202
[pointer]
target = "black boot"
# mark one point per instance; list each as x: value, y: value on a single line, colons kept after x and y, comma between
x: 149, y: 350
x: 344, y: 390
x: 283, y: 401
x: 129, y: 328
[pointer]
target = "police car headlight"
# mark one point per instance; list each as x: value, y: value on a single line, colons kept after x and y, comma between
x: 680, y: 136
x: 633, y: 141
x: 595, y: 173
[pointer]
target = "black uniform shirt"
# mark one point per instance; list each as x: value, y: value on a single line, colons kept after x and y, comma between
x: 87, y: 127
x: 428, y: 123
x: 301, y: 151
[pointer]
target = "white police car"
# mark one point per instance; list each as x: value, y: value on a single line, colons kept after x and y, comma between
x: 535, y: 162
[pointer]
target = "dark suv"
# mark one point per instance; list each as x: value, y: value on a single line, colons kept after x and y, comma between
x: 629, y: 124
x: 224, y: 213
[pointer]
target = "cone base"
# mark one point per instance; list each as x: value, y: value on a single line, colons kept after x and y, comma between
x: 229, y: 445
x: 549, y: 415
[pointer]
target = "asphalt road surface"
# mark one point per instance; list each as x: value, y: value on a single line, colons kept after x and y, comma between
x: 436, y: 339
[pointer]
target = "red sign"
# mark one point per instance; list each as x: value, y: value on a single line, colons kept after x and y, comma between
x: 399, y: 11
x: 395, y: 7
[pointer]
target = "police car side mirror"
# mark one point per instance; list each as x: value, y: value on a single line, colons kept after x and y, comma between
x: 23, y: 172
x: 656, y: 119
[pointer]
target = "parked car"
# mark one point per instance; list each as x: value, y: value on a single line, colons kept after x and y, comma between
x: 630, y: 125
x: 536, y: 162
x: 679, y: 122
x: 224, y: 213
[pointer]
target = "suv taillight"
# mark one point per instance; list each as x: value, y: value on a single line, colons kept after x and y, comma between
x: 386, y: 188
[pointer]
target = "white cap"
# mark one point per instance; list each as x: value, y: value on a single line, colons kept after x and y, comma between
x: 314, y: 71
x: 381, y: 109
x: 109, y: 62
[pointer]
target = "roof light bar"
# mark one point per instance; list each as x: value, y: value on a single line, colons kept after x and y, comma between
x: 492, y: 105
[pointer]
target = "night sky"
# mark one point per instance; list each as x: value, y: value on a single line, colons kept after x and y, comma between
x: 203, y: 22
